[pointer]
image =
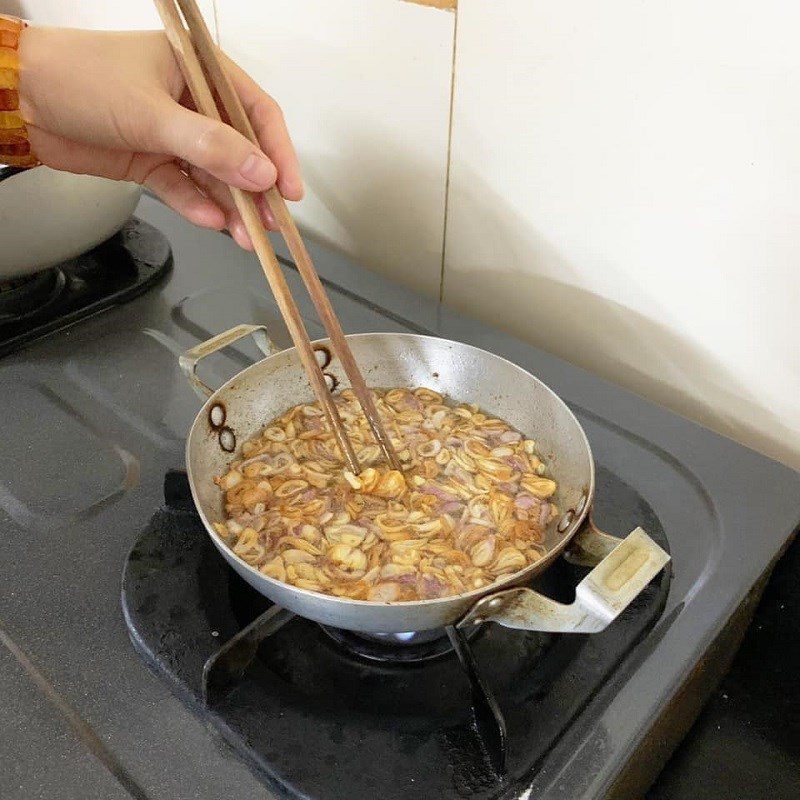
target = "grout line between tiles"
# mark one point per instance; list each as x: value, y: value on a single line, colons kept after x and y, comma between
x: 449, y: 153
x: 445, y: 5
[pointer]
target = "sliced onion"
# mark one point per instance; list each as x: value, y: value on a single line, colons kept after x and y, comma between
x: 261, y: 457
x: 446, y: 497
x: 526, y: 501
x: 544, y: 515
x: 463, y: 498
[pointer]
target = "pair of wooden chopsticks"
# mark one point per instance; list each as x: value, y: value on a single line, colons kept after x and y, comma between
x: 194, y: 49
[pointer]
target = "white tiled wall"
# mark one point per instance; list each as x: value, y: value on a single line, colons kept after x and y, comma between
x: 107, y: 14
x: 625, y: 192
x: 365, y: 86
x: 625, y: 175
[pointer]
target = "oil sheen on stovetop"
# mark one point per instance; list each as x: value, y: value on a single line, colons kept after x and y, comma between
x: 97, y: 414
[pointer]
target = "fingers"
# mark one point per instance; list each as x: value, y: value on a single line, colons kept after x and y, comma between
x: 179, y: 192
x: 212, y: 146
x: 221, y: 195
x: 268, y: 122
x: 223, y: 152
x: 158, y: 172
x: 266, y: 214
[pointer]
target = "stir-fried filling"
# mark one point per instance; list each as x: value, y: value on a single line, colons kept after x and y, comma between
x: 471, y: 506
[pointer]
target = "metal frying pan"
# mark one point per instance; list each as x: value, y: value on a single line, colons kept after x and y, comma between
x: 241, y: 407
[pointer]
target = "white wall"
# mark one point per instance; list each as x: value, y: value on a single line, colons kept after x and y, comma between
x: 365, y: 87
x: 624, y: 176
x: 103, y: 14
x: 635, y: 169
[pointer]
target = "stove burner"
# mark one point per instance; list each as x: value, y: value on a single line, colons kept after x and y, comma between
x: 318, y: 720
x: 489, y: 720
x: 23, y: 298
x: 226, y: 667
x: 396, y: 648
x: 119, y: 269
x: 419, y: 646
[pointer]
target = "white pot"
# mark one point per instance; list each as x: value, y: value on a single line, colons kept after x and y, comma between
x: 47, y: 216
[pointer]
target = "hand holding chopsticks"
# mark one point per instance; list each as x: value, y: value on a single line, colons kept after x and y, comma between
x: 191, y: 47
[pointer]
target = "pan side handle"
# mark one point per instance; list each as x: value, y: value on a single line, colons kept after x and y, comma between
x: 191, y: 358
x: 590, y: 545
x: 599, y: 598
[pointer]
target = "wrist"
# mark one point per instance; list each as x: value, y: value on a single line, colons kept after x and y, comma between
x: 33, y: 66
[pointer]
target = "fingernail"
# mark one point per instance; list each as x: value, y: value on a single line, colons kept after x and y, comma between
x: 295, y: 189
x: 258, y: 171
x: 242, y: 237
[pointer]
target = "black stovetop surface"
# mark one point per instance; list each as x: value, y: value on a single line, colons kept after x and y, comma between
x: 746, y: 742
x: 94, y: 417
x: 319, y: 722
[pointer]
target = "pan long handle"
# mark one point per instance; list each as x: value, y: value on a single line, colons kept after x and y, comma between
x: 191, y: 358
x: 599, y: 598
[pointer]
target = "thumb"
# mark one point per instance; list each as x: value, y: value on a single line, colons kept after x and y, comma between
x: 214, y: 147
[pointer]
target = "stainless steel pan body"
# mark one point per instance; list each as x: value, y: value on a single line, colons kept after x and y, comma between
x: 241, y: 407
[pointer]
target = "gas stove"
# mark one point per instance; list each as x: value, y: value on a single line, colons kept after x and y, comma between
x: 108, y: 701
x: 327, y: 713
x: 119, y: 269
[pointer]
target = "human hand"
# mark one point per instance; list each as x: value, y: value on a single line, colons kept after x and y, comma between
x: 116, y: 105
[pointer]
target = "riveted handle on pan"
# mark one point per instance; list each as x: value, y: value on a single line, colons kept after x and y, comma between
x: 599, y: 598
x: 191, y: 358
